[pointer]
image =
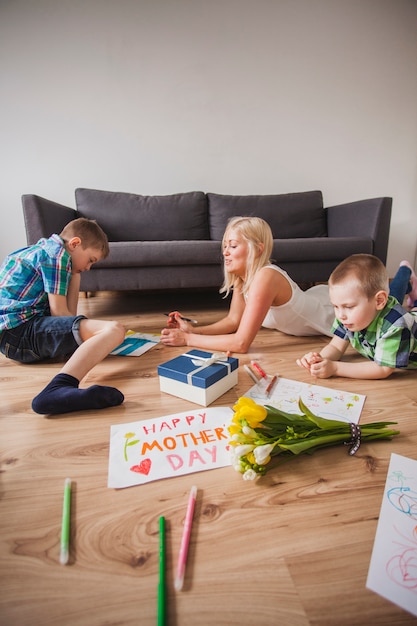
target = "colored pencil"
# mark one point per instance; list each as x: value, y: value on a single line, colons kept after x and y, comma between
x: 161, y: 582
x: 271, y: 384
x: 185, y: 319
x: 259, y: 369
x: 66, y: 523
x: 185, y: 541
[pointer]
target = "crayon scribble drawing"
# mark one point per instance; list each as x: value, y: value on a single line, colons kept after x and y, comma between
x: 173, y: 445
x: 325, y: 402
x: 402, y: 567
x: 393, y: 569
x: 403, y: 498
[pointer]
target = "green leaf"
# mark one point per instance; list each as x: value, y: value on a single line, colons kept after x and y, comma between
x: 321, y: 422
x: 300, y: 446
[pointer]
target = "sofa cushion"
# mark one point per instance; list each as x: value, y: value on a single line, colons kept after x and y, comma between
x: 319, y: 249
x: 166, y: 254
x: 129, y: 217
x: 290, y: 215
x: 198, y: 254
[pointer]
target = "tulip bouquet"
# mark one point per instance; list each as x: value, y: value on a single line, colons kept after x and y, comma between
x: 260, y: 433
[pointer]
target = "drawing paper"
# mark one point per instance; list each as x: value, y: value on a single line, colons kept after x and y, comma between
x: 393, y: 568
x: 323, y: 401
x: 136, y: 344
x: 163, y: 447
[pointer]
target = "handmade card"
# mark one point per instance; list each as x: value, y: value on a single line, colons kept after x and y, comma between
x: 393, y: 569
x: 323, y: 401
x: 136, y: 344
x: 182, y: 443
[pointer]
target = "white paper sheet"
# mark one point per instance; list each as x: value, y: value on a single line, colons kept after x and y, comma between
x: 136, y: 344
x: 323, y: 401
x: 393, y: 569
x: 163, y: 447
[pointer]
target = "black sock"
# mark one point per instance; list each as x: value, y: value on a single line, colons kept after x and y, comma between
x: 62, y: 395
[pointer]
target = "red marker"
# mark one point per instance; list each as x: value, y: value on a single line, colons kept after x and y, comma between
x: 258, y: 369
x: 271, y: 384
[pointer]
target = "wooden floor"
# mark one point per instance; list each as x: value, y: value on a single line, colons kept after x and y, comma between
x: 290, y: 549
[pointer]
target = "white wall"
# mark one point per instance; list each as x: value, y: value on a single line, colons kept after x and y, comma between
x: 228, y: 96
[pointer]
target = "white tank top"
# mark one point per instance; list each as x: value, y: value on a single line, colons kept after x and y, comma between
x: 306, y: 313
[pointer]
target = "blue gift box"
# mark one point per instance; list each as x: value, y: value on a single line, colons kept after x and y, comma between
x: 198, y: 376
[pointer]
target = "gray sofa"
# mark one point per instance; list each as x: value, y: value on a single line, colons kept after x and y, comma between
x: 174, y: 241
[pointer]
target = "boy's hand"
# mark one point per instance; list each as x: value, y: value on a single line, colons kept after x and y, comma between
x: 324, y: 368
x: 317, y: 365
x: 309, y: 359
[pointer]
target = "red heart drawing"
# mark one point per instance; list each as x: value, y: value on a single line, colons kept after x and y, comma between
x: 143, y: 468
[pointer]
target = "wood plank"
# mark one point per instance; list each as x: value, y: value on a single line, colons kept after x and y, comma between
x: 292, y: 548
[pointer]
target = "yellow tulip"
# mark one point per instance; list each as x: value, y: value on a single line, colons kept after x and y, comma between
x: 247, y: 409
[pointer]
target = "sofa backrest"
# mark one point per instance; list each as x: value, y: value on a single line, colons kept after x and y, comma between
x: 195, y: 215
x: 132, y: 217
x: 289, y: 215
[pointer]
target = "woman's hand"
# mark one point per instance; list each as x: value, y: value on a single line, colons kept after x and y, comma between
x: 176, y: 320
x: 173, y: 337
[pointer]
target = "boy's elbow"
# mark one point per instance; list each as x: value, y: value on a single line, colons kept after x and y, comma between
x: 385, y: 372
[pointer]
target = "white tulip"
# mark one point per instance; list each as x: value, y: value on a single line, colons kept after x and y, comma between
x: 261, y: 453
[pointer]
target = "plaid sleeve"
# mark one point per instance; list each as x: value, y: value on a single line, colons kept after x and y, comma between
x: 393, y: 349
x: 339, y: 330
x: 56, y: 274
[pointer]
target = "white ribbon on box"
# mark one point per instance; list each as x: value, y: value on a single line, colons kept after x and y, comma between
x: 216, y: 357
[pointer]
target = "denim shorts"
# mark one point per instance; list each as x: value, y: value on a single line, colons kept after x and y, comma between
x: 42, y: 338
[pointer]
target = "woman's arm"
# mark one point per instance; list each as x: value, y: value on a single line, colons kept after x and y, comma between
x: 228, y: 324
x: 218, y: 336
x: 238, y: 329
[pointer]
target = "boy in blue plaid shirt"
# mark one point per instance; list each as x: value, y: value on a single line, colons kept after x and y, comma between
x: 39, y: 289
x: 371, y: 319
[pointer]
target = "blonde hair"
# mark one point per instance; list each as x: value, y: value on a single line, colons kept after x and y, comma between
x: 256, y: 232
x: 90, y: 233
x: 368, y: 270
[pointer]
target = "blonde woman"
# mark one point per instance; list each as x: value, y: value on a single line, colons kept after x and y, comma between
x: 262, y: 295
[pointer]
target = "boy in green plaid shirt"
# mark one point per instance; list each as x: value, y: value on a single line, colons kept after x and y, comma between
x: 369, y: 317
x: 39, y: 289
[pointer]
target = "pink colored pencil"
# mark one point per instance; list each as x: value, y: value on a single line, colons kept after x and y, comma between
x: 185, y: 541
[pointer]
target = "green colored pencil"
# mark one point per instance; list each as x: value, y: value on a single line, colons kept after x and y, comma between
x: 161, y: 584
x: 66, y: 519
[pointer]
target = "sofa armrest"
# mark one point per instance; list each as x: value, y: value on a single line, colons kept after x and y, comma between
x: 363, y: 218
x: 44, y: 217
